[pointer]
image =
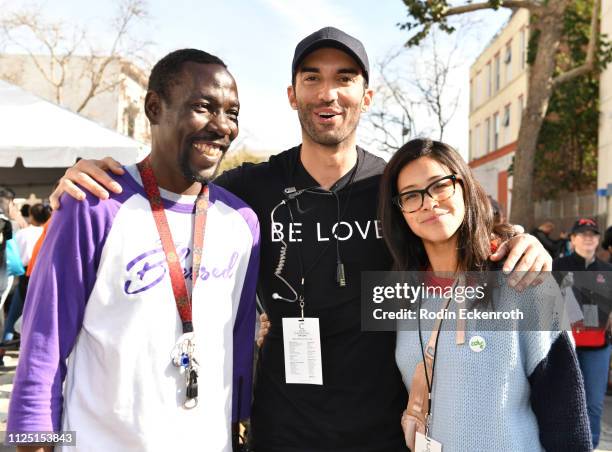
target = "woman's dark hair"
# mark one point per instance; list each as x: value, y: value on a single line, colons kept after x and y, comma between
x: 474, y: 234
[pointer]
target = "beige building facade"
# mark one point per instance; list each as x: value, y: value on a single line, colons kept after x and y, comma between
x: 498, y: 90
x: 119, y: 107
x: 604, y: 165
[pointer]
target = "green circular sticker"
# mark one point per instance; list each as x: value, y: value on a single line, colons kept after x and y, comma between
x: 477, y: 344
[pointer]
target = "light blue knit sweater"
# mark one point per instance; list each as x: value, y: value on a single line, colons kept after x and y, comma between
x: 481, y: 401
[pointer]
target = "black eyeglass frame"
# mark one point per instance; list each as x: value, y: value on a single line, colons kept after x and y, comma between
x: 425, y: 191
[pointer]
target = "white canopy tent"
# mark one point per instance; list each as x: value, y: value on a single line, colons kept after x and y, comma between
x: 46, y: 135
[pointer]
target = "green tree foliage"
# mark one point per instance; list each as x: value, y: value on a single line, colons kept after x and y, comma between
x: 423, y: 14
x: 566, y: 155
x: 555, y: 50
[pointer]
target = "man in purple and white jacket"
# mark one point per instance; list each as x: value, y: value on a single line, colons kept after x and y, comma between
x: 100, y: 318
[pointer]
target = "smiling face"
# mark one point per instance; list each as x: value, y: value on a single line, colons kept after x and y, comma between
x: 435, y: 221
x: 329, y: 96
x: 194, y: 127
x: 585, y: 243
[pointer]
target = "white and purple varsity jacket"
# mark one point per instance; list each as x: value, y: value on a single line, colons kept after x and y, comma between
x: 100, y: 322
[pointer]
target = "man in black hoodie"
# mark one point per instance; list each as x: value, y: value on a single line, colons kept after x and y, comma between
x: 317, y: 207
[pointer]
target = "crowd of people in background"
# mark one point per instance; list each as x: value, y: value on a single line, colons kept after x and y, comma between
x: 577, y: 253
x: 562, y: 246
x: 591, y: 283
x: 21, y: 235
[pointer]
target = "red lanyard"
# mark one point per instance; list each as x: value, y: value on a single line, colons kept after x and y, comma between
x: 179, y: 287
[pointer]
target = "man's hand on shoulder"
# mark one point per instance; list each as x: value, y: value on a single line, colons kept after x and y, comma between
x: 92, y: 176
x: 526, y: 260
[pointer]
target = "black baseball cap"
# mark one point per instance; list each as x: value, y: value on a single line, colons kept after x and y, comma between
x: 585, y: 224
x: 337, y: 39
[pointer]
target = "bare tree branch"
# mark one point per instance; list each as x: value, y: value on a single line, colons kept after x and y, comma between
x: 433, y: 84
x: 391, y: 118
x: 589, y: 63
x: 55, y: 46
x: 405, y: 90
x: 129, y: 11
x: 528, y: 4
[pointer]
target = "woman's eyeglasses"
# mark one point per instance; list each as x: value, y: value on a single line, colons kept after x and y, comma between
x: 439, y: 190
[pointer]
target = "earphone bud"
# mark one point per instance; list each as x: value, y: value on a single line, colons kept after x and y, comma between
x: 276, y: 296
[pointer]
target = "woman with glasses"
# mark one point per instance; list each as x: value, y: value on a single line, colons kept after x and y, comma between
x: 473, y: 389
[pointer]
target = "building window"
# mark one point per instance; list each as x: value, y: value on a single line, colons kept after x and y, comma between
x: 495, y: 131
x: 473, y: 93
x: 523, y: 47
x: 497, y: 74
x: 489, y: 82
x: 508, y: 62
x: 476, y: 143
x: 471, y: 145
x: 488, y: 135
x: 506, y: 124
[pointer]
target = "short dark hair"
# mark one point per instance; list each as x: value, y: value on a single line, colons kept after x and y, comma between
x: 166, y: 70
x: 40, y: 213
x: 25, y: 210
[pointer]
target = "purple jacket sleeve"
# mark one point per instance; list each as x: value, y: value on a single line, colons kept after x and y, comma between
x: 244, y: 331
x: 53, y: 312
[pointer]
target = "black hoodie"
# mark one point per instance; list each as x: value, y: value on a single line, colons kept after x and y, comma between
x: 359, y: 406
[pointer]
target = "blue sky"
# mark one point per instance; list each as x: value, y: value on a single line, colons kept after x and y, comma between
x: 256, y: 39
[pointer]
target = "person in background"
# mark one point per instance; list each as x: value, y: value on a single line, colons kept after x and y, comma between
x: 498, y: 218
x: 25, y: 238
x: 36, y: 249
x: 542, y: 233
x: 564, y: 245
x: 498, y: 211
x: 25, y: 212
x: 606, y: 245
x: 6, y: 233
x: 7, y: 204
x: 16, y: 222
x: 591, y: 281
x: 10, y: 266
